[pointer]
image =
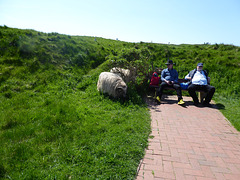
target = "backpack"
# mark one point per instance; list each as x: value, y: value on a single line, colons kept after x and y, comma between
x: 155, y: 79
x: 184, y: 85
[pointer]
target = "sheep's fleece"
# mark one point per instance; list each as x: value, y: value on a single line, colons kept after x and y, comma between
x: 111, y: 84
x: 123, y: 73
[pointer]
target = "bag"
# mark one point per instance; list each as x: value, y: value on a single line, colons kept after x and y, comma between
x: 184, y: 85
x: 155, y: 79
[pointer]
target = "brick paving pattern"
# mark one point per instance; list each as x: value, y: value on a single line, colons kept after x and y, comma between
x: 190, y: 143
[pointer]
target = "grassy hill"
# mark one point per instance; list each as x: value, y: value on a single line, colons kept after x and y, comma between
x: 55, y: 124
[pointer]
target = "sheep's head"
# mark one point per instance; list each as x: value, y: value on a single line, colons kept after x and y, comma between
x: 121, y: 90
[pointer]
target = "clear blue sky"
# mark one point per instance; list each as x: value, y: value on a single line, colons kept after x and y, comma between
x: 158, y: 21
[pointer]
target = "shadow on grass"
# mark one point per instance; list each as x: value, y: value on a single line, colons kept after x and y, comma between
x: 220, y: 106
x: 125, y: 101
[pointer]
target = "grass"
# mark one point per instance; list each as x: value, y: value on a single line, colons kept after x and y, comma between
x: 230, y: 108
x: 63, y: 133
x: 54, y: 124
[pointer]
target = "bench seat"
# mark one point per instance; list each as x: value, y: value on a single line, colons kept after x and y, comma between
x: 201, y: 94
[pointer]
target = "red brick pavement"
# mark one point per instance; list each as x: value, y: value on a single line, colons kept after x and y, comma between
x: 190, y: 143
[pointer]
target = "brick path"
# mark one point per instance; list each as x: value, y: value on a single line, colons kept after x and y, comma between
x: 190, y: 143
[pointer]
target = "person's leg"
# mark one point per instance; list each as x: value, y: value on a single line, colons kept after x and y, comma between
x: 192, y: 92
x: 210, y: 92
x: 178, y: 89
x: 160, y: 89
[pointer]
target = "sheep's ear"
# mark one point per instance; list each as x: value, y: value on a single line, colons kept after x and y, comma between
x: 123, y: 84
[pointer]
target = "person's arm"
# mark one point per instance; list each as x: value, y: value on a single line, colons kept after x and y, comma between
x: 175, y: 80
x: 208, y: 80
x: 163, y: 76
x: 188, y: 77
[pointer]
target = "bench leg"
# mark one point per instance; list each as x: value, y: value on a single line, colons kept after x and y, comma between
x: 201, y: 96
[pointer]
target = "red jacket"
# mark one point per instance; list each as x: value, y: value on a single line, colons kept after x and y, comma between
x: 155, y: 79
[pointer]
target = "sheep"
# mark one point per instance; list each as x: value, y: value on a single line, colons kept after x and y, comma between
x: 126, y: 74
x: 112, y: 84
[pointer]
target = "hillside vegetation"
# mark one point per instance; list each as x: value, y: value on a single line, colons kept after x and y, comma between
x: 54, y: 124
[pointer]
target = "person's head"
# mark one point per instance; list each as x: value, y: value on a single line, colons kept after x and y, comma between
x: 199, y: 66
x: 169, y: 64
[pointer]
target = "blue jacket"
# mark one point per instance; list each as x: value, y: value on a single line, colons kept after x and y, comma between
x: 169, y: 75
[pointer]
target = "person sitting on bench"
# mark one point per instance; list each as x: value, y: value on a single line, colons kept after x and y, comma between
x: 169, y: 78
x: 199, y: 80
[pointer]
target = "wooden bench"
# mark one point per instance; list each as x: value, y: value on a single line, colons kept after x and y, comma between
x: 201, y: 94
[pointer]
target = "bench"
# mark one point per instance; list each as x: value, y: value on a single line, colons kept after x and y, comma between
x: 201, y: 94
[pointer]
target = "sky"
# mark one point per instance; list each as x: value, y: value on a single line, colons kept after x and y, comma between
x: 157, y: 21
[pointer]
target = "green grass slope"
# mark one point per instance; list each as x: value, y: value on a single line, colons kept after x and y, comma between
x: 54, y: 124
x: 61, y: 132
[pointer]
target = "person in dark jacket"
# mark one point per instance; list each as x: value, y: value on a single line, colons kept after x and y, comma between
x: 199, y: 80
x: 169, y: 78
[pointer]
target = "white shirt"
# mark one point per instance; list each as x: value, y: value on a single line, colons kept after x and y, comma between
x: 199, y: 78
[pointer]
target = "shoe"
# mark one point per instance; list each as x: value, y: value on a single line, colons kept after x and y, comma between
x: 206, y: 104
x: 181, y: 102
x: 196, y: 104
x: 158, y: 99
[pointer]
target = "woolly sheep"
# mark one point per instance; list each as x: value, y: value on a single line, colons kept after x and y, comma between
x: 111, y: 84
x: 125, y: 74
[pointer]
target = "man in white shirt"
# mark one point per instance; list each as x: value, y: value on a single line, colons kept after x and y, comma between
x: 199, y: 80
